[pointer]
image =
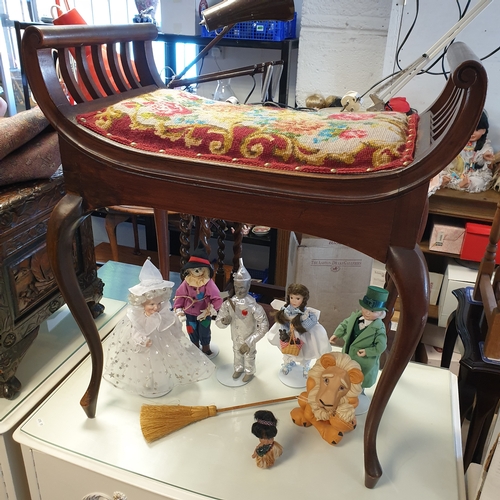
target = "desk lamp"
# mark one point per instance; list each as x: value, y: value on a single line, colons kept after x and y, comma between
x: 384, y: 91
x: 225, y: 15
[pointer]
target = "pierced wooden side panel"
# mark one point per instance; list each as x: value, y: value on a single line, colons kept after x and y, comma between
x: 484, y: 290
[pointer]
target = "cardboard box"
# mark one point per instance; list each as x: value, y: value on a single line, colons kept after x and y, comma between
x: 475, y: 242
x: 434, y: 354
x: 182, y: 17
x: 377, y: 278
x: 337, y: 276
x: 435, y: 280
x: 447, y: 237
x: 456, y: 276
x: 434, y: 335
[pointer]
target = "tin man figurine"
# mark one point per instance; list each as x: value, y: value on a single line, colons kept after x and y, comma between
x: 248, y: 322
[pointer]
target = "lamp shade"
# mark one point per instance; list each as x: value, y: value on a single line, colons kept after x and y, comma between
x: 236, y: 11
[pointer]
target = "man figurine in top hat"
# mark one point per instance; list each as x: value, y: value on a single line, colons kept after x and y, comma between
x: 364, y: 333
x: 198, y: 298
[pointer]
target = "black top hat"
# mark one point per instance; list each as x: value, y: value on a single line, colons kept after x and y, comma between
x: 198, y: 259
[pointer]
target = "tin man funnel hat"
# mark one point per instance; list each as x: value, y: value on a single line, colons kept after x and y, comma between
x: 242, y: 275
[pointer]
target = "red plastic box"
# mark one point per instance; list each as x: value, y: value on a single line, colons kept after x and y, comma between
x: 475, y: 242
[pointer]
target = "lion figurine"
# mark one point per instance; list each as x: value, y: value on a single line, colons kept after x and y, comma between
x: 333, y: 387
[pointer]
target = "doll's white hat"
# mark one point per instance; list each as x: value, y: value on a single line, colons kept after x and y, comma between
x: 150, y: 279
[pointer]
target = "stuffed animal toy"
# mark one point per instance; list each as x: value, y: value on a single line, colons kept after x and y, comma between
x: 198, y: 298
x: 331, y: 396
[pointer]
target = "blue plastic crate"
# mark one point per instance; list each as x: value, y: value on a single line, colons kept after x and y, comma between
x: 274, y: 31
x: 256, y: 274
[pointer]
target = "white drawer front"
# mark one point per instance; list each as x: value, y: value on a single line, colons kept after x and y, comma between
x: 60, y: 480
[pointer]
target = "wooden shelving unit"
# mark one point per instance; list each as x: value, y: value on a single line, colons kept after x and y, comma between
x: 456, y: 205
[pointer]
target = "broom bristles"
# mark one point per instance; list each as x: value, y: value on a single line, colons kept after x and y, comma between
x: 158, y: 421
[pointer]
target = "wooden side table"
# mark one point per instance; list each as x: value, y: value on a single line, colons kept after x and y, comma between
x: 479, y: 381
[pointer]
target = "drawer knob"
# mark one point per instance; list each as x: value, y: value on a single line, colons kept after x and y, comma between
x: 117, y: 495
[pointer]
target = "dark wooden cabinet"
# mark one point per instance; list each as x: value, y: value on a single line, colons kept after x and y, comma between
x: 28, y: 291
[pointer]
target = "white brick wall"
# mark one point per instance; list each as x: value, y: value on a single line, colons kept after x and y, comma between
x: 342, y: 46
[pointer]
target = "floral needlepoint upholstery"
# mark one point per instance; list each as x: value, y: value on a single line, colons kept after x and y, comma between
x: 178, y: 123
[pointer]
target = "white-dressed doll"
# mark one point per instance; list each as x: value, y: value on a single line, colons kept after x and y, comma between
x: 471, y: 170
x: 297, y: 321
x: 148, y: 353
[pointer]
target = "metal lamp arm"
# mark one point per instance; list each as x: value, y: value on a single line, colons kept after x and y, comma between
x: 202, y: 52
x: 230, y: 73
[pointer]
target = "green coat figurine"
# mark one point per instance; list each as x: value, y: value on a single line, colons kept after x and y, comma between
x: 364, y: 333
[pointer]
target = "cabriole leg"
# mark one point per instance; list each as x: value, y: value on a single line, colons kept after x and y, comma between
x: 408, y: 271
x: 63, y: 223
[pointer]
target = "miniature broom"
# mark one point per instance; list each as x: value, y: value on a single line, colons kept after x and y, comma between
x: 158, y: 421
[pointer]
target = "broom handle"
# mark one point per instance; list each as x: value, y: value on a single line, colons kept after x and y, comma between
x: 257, y: 403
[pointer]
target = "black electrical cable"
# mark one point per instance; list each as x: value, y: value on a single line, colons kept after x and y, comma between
x: 251, y: 91
x: 417, y: 9
x: 379, y: 82
x: 441, y: 59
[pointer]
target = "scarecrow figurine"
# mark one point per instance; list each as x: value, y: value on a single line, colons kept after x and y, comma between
x: 265, y: 429
x: 198, y: 298
x: 248, y: 322
x: 148, y: 353
x: 364, y: 333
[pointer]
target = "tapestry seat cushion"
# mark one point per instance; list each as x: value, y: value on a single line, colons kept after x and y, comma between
x: 178, y: 123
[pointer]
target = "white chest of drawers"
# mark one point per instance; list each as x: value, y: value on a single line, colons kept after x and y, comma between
x: 68, y: 456
x: 57, y: 350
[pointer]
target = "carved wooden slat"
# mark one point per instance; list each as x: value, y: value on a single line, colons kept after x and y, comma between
x: 237, y: 245
x: 204, y: 232
x: 484, y: 290
x: 220, y: 275
x: 185, y: 227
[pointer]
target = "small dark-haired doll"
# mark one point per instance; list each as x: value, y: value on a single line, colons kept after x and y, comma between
x: 265, y: 429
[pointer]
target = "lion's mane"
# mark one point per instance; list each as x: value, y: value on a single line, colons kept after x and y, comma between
x: 346, y: 409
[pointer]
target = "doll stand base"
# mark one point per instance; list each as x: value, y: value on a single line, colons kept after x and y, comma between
x: 364, y: 404
x: 294, y: 378
x: 224, y: 375
x: 215, y: 350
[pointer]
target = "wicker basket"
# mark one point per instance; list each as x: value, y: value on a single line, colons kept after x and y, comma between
x: 293, y: 346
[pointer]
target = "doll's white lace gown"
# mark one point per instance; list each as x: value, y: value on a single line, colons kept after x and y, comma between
x: 149, y: 355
